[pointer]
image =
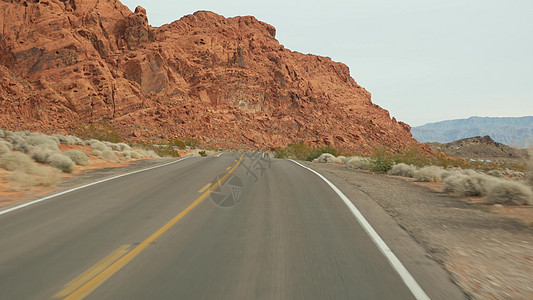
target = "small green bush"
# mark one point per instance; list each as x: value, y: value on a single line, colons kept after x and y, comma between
x: 382, y: 160
x: 102, y: 131
x: 202, y: 153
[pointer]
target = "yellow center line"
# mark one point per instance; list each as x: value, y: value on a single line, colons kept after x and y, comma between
x: 93, y: 271
x: 228, y: 168
x: 97, y: 280
x: 204, y: 188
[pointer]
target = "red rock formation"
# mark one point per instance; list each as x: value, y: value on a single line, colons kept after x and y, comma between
x: 225, y: 81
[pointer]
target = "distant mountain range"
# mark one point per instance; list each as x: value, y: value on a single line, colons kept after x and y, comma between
x: 515, y: 132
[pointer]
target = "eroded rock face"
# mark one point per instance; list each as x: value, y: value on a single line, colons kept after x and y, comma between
x: 225, y: 81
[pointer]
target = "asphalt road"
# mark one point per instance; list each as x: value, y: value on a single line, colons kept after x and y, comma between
x: 228, y: 227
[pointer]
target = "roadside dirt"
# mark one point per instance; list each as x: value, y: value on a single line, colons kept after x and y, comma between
x: 97, y: 169
x: 487, y: 249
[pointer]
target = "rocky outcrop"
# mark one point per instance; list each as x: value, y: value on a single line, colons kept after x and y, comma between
x: 225, y: 81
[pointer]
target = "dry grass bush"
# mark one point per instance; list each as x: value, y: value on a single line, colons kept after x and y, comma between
x: 98, y: 154
x: 146, y: 153
x: 510, y: 192
x: 78, y: 157
x: 41, y: 139
x: 16, y: 161
x: 5, y: 147
x: 44, y: 177
x: 42, y: 153
x: 132, y: 154
x: 19, y: 142
x: 429, y: 174
x: 68, y: 139
x: 109, y: 155
x: 402, y: 169
x: 99, y: 146
x: 123, y: 146
x: 325, y: 158
x: 340, y: 159
x: 359, y: 162
x: 462, y: 184
x: 62, y: 162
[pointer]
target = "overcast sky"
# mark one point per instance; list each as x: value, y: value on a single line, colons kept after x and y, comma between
x: 423, y: 60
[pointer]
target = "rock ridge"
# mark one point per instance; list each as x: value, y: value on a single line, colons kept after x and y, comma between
x: 225, y: 81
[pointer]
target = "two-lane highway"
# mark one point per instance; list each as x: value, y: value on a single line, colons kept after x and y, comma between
x: 228, y: 227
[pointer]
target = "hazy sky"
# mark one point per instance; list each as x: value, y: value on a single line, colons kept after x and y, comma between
x: 423, y: 60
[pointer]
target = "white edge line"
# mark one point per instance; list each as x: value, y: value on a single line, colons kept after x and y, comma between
x: 218, y: 155
x: 84, y: 186
x: 409, y: 281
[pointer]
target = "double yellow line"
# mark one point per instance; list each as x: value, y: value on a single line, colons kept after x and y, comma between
x: 91, y: 279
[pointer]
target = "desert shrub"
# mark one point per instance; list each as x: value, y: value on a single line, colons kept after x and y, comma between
x: 510, y: 192
x: 325, y: 158
x: 61, y: 162
x: 2, y: 134
x: 19, y: 142
x: 42, y: 153
x: 16, y: 161
x: 131, y: 154
x: 202, y: 153
x: 41, y: 139
x: 146, y: 153
x: 177, y: 143
x: 78, y: 157
x: 109, y: 155
x: 341, y: 159
x: 358, y: 162
x: 68, y: 139
x: 5, y: 147
x: 429, y: 174
x: 98, y: 154
x: 382, y: 160
x: 123, y: 146
x: 99, y: 146
x: 462, y: 184
x: 496, y: 173
x: 402, y: 169
x: 102, y: 131
x: 43, y: 176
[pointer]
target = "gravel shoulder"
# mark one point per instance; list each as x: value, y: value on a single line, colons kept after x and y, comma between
x: 488, y: 255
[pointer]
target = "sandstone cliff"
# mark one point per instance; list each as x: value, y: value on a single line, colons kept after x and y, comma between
x: 225, y: 81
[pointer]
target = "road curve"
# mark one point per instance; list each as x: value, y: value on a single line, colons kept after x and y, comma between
x: 227, y: 227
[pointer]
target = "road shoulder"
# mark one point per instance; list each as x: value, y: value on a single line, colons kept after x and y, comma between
x: 484, y: 252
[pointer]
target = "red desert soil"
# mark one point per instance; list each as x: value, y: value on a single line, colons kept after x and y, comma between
x: 224, y: 81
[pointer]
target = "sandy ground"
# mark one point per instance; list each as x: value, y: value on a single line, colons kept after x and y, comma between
x: 487, y: 249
